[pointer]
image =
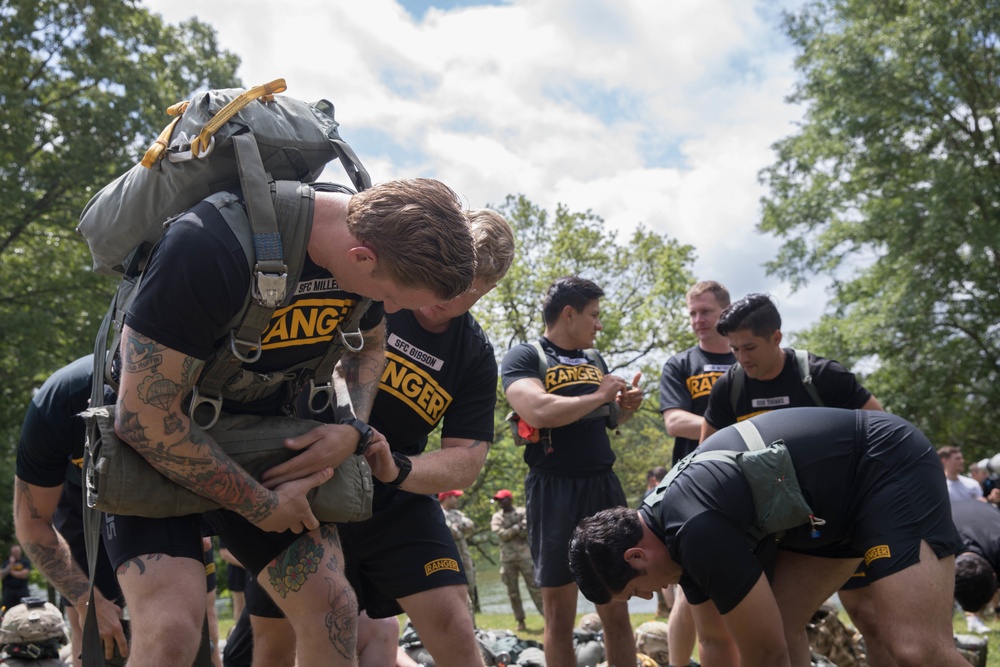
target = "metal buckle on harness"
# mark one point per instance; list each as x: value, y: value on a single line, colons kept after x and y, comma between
x: 325, y: 390
x: 269, y: 288
x: 354, y: 335
x: 184, y: 156
x: 235, y: 343
x: 197, y: 409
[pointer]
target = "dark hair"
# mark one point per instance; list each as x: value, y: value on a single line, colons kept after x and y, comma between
x: 975, y: 581
x: 597, y: 553
x: 568, y: 291
x: 657, y: 473
x: 755, y: 312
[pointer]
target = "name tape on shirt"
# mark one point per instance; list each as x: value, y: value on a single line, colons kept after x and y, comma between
x: 413, y: 352
x: 774, y: 401
x: 316, y: 285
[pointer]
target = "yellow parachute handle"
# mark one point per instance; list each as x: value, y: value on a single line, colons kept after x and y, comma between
x: 155, y: 152
x: 267, y: 91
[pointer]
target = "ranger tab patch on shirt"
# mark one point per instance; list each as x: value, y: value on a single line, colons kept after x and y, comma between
x: 305, y: 322
x: 439, y: 565
x: 561, y: 376
x: 414, y: 387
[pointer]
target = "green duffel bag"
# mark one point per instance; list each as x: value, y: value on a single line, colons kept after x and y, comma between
x: 120, y: 481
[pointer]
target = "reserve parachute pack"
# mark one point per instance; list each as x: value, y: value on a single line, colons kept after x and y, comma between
x: 778, y: 501
x: 525, y: 434
x: 196, y: 156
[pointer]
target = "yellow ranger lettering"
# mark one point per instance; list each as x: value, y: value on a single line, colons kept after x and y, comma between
x: 305, y: 322
x: 440, y: 564
x: 414, y: 387
x: 701, y: 385
x: 881, y: 551
x: 563, y: 376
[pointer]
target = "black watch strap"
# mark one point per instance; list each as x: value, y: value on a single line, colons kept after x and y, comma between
x: 364, y: 429
x: 405, y: 466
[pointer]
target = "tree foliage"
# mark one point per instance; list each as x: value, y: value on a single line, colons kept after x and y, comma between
x: 892, y: 186
x: 83, y: 89
x: 643, y: 314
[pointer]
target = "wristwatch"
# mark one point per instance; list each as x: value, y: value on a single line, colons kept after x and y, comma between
x: 364, y: 429
x: 405, y: 466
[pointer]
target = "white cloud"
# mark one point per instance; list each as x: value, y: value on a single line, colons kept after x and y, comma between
x: 660, y: 113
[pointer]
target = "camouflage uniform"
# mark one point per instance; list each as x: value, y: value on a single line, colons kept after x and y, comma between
x: 515, y: 558
x: 461, y: 528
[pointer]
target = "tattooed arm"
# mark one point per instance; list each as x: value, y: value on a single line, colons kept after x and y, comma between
x: 149, y: 416
x: 34, y: 507
x: 357, y: 373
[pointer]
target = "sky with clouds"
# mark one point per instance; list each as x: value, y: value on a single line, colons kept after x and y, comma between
x: 659, y: 112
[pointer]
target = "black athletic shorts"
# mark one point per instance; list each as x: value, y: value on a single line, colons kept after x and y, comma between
x: 899, y: 499
x: 555, y: 506
x: 127, y: 537
x: 130, y: 536
x: 405, y: 548
x: 253, y: 547
x: 258, y: 602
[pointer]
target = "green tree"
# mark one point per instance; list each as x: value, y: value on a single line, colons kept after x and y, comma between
x: 892, y: 186
x: 83, y: 89
x: 643, y: 314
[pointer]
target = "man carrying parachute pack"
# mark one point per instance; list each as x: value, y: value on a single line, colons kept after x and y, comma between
x: 228, y: 326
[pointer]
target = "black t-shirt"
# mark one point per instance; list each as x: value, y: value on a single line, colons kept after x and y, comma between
x: 13, y: 585
x: 978, y: 525
x: 686, y: 382
x: 197, y: 281
x: 50, y: 450
x: 705, y: 515
x: 837, y: 386
x: 578, y: 449
x: 433, y: 376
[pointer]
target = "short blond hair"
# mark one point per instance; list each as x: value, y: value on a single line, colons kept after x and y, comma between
x: 419, y: 233
x: 494, y: 241
x: 717, y: 289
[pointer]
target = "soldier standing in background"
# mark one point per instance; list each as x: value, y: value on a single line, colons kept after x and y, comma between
x: 511, y: 526
x: 462, y: 528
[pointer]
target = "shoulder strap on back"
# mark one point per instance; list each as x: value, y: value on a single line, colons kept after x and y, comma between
x: 543, y: 359
x: 736, y: 386
x: 747, y: 430
x: 802, y: 361
x: 291, y: 213
x: 751, y: 436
